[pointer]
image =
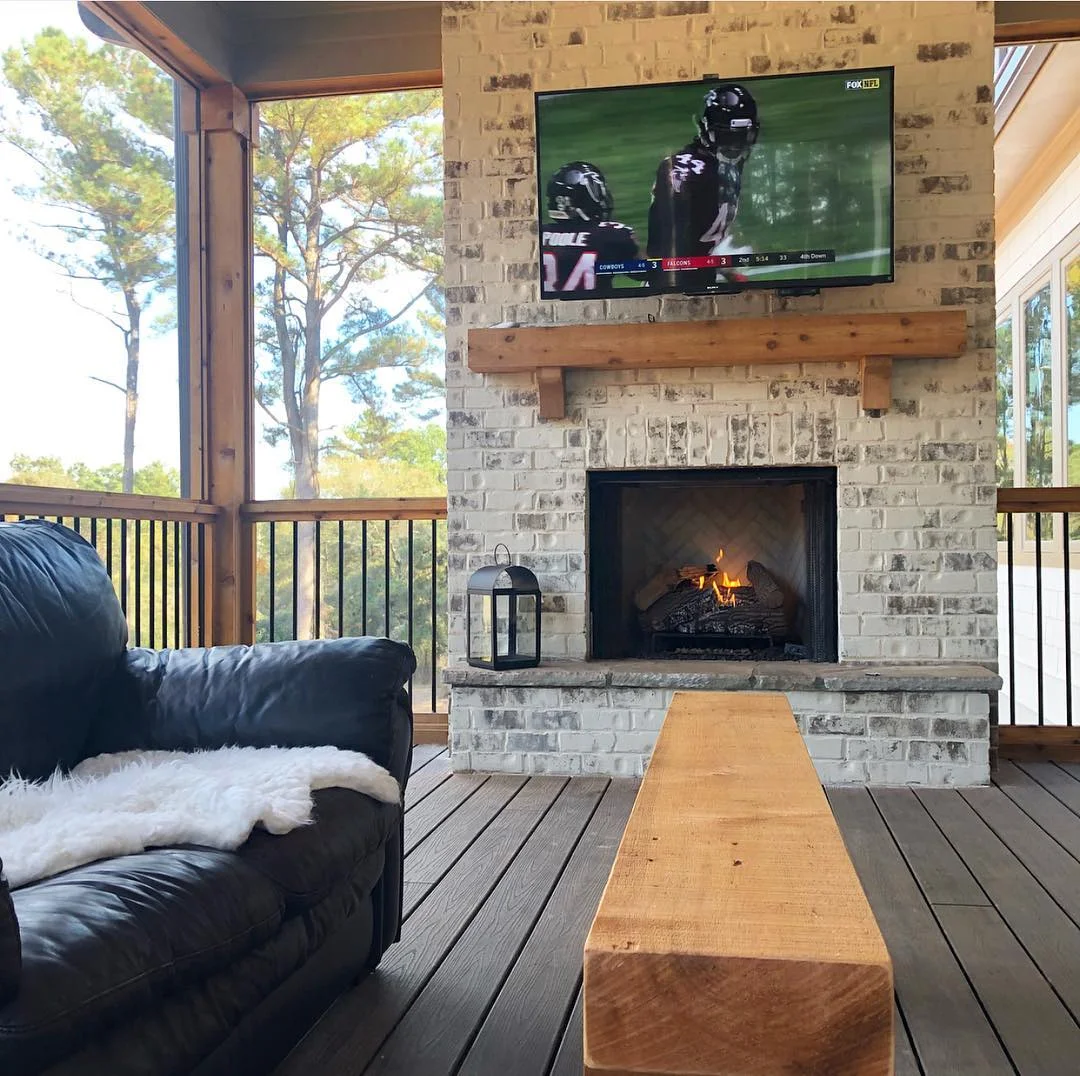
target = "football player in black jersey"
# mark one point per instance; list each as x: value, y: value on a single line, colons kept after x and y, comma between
x: 579, y: 234
x: 696, y: 193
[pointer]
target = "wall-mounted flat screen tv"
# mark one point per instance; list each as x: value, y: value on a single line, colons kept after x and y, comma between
x: 779, y: 182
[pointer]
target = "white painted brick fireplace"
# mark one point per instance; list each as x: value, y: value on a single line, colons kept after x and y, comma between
x: 909, y: 700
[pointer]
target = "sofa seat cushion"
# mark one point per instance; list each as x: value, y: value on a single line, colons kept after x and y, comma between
x: 306, y: 864
x: 180, y: 1035
x: 105, y: 940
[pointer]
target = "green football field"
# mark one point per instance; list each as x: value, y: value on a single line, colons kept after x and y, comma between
x: 818, y: 178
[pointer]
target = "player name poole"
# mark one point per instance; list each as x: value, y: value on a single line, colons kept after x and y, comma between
x: 566, y: 239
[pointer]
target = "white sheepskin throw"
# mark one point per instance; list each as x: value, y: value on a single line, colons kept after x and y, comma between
x: 114, y: 805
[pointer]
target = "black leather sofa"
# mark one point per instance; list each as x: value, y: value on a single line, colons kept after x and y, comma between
x: 187, y: 959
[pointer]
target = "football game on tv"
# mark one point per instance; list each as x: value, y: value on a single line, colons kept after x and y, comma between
x: 716, y: 186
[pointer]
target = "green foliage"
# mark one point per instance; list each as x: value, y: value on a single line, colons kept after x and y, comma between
x: 155, y: 479
x: 98, y: 126
x: 378, y: 457
x: 1038, y: 410
x: 1006, y: 416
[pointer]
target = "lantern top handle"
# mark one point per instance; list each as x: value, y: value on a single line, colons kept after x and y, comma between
x: 502, y: 546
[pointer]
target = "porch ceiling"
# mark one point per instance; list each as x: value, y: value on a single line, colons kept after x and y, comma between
x: 265, y: 47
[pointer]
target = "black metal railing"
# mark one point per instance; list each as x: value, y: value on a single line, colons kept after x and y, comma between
x: 155, y: 549
x: 1037, y: 529
x: 329, y: 568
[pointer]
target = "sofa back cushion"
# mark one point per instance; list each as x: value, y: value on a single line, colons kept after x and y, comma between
x: 62, y: 638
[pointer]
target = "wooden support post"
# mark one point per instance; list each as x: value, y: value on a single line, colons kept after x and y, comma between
x: 550, y: 382
x: 875, y: 371
x: 226, y: 121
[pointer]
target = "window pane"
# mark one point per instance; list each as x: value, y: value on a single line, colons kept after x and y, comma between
x: 87, y: 259
x: 1038, y: 411
x: 348, y: 274
x: 1072, y: 360
x: 1004, y: 459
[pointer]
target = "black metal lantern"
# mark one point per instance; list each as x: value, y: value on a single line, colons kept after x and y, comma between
x: 503, y: 614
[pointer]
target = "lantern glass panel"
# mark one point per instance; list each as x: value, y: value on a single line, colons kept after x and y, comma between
x: 503, y: 636
x: 480, y: 627
x: 525, y: 622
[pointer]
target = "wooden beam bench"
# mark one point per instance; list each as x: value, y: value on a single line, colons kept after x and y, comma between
x: 733, y: 936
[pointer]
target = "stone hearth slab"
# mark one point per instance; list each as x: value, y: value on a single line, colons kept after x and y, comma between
x: 734, y: 676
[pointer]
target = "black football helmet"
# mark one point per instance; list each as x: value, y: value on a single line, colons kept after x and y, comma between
x: 728, y: 122
x: 579, y: 190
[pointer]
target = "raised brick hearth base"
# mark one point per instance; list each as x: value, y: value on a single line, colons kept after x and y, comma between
x: 863, y: 725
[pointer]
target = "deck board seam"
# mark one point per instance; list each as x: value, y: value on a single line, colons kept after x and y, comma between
x: 1075, y: 920
x: 532, y: 926
x: 436, y: 964
x: 476, y: 836
x: 1005, y: 790
x: 941, y: 930
x: 1021, y: 765
x: 1005, y: 920
x: 564, y: 1025
x: 449, y: 814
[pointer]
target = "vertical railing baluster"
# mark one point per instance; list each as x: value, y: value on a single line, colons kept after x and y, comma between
x: 123, y: 567
x: 1012, y: 617
x: 178, y: 621
x: 152, y: 586
x: 164, y: 583
x: 386, y: 578
x: 190, y: 602
x: 201, y: 531
x: 109, y: 549
x: 1038, y: 612
x: 341, y: 578
x: 273, y: 580
x: 363, y: 577
x: 434, y: 615
x: 76, y: 525
x: 317, y: 629
x: 138, y: 582
x: 93, y: 534
x: 295, y: 580
x: 410, y: 598
x: 1068, y: 620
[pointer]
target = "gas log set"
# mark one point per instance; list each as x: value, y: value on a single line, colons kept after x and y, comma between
x: 699, y: 611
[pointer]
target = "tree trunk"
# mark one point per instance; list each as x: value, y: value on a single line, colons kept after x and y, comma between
x: 131, y: 389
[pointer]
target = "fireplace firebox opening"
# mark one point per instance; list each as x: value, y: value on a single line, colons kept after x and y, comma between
x: 727, y: 563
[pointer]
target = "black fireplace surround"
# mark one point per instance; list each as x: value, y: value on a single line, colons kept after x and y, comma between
x: 661, y: 541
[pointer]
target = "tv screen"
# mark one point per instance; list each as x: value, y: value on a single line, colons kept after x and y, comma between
x: 716, y: 186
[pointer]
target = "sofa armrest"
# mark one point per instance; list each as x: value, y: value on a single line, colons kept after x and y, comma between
x: 346, y: 693
x: 10, y: 943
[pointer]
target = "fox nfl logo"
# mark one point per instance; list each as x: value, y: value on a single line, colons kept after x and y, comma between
x: 863, y: 84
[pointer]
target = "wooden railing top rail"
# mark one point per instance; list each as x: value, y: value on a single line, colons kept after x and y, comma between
x: 17, y: 500
x: 344, y: 508
x: 1039, y: 499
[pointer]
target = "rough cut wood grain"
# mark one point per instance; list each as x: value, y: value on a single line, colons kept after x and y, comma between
x: 551, y: 387
x: 734, y: 342
x: 876, y: 374
x: 733, y: 935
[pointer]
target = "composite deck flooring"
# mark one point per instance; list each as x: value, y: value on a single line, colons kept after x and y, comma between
x: 977, y: 893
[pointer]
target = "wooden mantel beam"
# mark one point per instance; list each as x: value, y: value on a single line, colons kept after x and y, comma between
x: 873, y: 339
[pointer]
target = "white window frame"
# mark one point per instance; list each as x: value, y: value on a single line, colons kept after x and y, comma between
x: 1049, y: 268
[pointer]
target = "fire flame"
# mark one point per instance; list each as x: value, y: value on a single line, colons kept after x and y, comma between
x: 722, y: 585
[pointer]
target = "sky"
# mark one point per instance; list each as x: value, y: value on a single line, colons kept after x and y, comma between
x: 57, y: 342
